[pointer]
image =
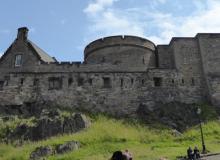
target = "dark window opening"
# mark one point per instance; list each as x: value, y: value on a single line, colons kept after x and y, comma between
x: 106, y: 82
x: 193, y: 82
x: 90, y: 81
x: 132, y: 81
x: 157, y: 81
x: 21, y: 81
x: 103, y: 59
x: 70, y: 81
x: 143, y: 60
x: 80, y: 81
x: 172, y: 81
x: 1, y: 85
x: 36, y: 82
x: 142, y: 81
x: 55, y: 83
x: 122, y: 82
x: 183, y: 81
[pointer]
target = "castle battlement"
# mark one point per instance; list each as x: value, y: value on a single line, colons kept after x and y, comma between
x: 115, y: 41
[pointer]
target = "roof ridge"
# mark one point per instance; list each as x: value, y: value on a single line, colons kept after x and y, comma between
x: 43, y: 55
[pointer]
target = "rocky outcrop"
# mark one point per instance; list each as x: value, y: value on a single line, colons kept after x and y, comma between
x: 45, y: 151
x: 40, y: 152
x: 67, y: 147
x: 50, y: 124
x: 176, y: 115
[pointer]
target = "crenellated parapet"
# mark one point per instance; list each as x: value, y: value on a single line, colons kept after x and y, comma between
x: 125, y: 51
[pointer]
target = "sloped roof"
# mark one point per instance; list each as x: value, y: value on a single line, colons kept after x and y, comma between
x: 42, y: 54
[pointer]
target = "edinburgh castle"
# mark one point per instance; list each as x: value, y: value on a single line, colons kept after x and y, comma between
x: 118, y: 75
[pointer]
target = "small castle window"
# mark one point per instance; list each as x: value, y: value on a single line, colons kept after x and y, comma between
x: 172, y: 81
x: 183, y: 81
x: 122, y: 82
x: 132, y: 81
x: 142, y: 81
x: 18, y: 60
x: 103, y: 59
x: 193, y: 82
x: 157, y: 81
x: 90, y: 81
x: 1, y: 85
x: 80, y: 81
x: 36, y: 82
x: 22, y: 81
x: 55, y: 83
x: 106, y: 82
x: 70, y: 81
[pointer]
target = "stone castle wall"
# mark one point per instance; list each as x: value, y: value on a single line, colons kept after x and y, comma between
x: 118, y: 75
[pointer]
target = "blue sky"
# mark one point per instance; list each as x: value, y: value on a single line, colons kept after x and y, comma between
x: 64, y: 28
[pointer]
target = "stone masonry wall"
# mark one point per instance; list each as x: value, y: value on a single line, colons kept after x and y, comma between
x: 119, y: 75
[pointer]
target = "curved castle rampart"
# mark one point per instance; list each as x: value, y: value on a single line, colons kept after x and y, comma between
x: 121, y: 50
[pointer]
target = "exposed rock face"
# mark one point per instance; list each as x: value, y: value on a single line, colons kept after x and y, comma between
x: 45, y: 151
x: 40, y: 152
x: 50, y: 125
x: 176, y: 115
x: 67, y: 147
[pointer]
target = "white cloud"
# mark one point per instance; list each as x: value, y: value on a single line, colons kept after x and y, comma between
x: 157, y: 26
x: 98, y: 5
x: 204, y: 19
x: 111, y: 23
x: 1, y: 53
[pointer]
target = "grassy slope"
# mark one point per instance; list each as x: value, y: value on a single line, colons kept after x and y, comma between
x: 108, y: 135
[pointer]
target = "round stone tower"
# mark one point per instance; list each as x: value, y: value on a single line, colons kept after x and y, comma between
x: 125, y: 51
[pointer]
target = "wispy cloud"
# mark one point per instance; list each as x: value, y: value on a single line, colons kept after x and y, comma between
x: 105, y: 20
x: 32, y: 30
x: 98, y: 5
x: 4, y: 31
x: 160, y: 27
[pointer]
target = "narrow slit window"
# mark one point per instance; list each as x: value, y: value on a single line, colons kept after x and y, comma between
x: 21, y: 81
x: 132, y: 81
x: 1, y: 85
x: 183, y: 81
x: 193, y: 82
x: 142, y: 81
x: 70, y: 81
x: 36, y: 82
x: 122, y: 82
x: 80, y: 81
x: 90, y: 81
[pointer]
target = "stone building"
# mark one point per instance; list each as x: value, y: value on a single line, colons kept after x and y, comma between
x: 118, y: 74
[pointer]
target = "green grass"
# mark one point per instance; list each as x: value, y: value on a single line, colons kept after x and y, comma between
x: 107, y: 135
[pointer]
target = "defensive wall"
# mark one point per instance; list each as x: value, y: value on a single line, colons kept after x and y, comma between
x: 118, y: 74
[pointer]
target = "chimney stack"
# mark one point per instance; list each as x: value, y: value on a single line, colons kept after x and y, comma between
x: 22, y: 33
